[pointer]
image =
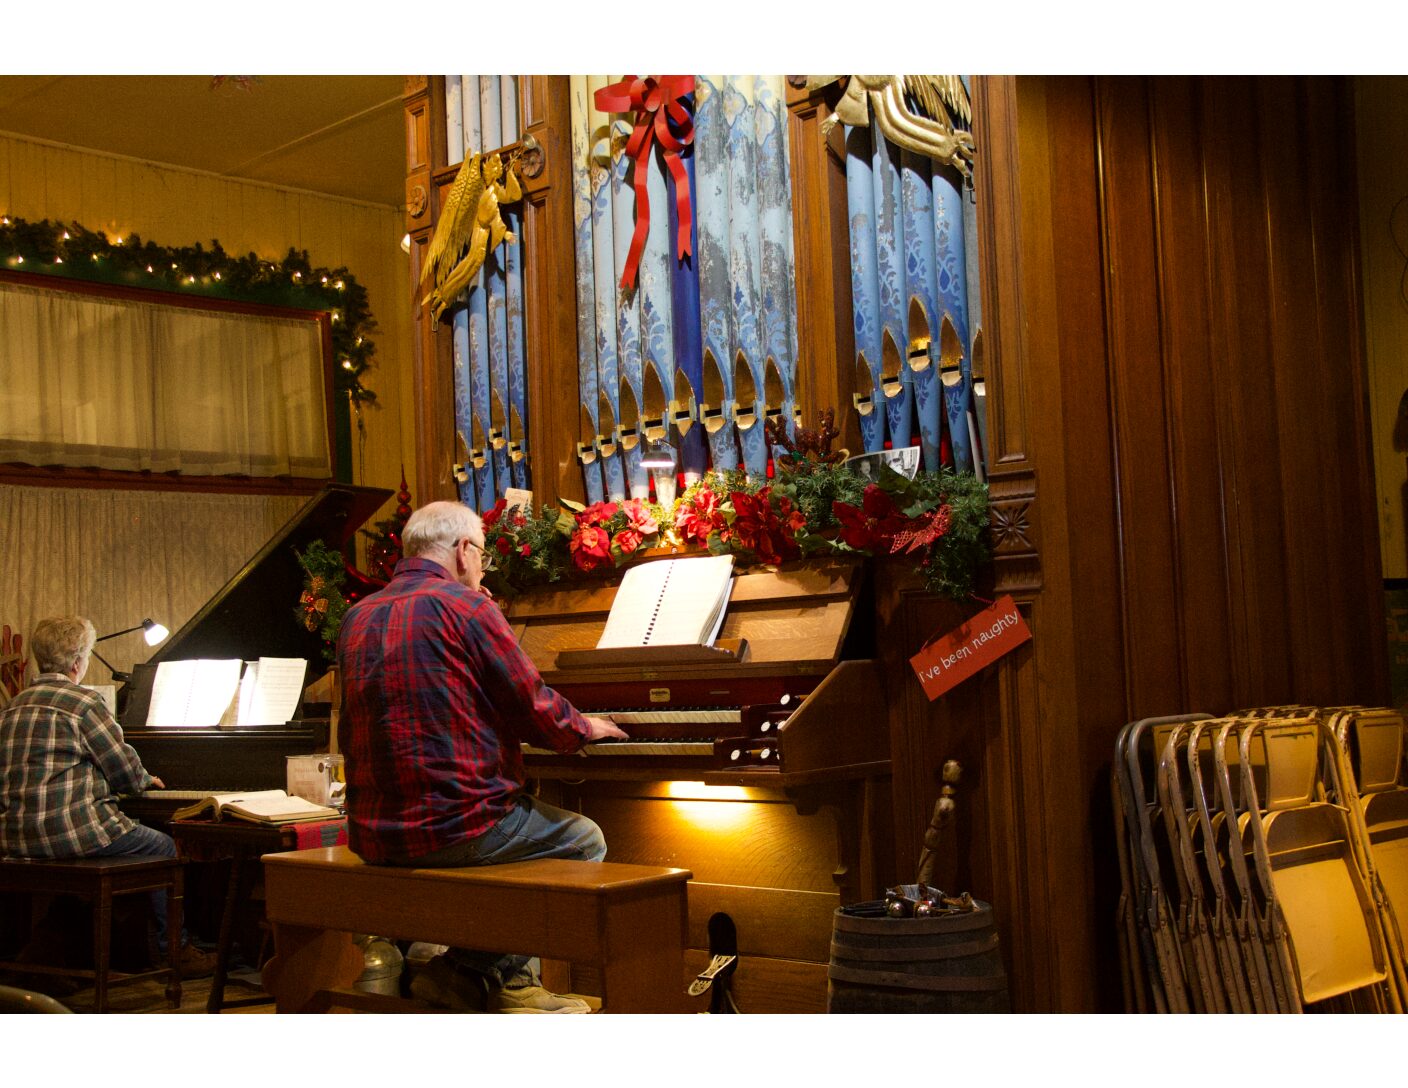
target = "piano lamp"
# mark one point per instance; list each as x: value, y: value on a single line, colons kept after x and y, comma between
x: 152, y: 631
x: 660, y: 458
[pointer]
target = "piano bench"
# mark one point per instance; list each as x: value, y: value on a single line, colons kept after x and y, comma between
x: 627, y: 921
x: 100, y: 880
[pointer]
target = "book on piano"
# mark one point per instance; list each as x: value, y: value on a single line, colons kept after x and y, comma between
x: 257, y: 806
x: 670, y: 602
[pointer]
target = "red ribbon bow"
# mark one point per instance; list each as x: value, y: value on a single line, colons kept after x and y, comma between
x: 656, y: 101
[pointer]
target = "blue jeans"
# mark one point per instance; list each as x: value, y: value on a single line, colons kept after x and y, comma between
x: 534, y: 829
x: 145, y: 841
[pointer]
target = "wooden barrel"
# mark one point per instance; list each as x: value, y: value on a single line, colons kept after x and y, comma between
x: 949, y: 963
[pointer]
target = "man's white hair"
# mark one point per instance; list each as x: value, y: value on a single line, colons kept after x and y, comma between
x: 438, y: 526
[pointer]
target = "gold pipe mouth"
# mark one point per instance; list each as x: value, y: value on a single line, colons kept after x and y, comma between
x: 715, y: 410
x: 890, y: 364
x: 628, y: 429
x: 917, y: 354
x: 864, y: 396
x: 745, y: 393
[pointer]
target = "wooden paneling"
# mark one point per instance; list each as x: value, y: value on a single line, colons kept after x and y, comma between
x: 826, y: 350
x: 1171, y: 313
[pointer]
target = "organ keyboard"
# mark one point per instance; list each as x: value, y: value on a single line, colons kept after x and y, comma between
x: 791, y: 706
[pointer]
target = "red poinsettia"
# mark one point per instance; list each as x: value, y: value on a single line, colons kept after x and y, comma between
x: 598, y: 513
x: 758, y: 528
x: 490, y: 518
x: 503, y: 545
x: 697, y: 518
x: 627, y: 541
x: 640, y: 518
x: 875, y: 521
x: 590, y: 547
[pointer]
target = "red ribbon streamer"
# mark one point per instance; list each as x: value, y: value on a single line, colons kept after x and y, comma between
x: 656, y: 100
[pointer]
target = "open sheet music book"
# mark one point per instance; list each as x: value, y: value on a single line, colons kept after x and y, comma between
x: 670, y: 602
x: 202, y: 692
x: 257, y: 806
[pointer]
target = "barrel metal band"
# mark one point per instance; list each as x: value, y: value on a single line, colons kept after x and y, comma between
x: 915, y: 955
x: 898, y: 981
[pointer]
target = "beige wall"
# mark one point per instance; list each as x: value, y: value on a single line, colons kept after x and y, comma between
x: 175, y: 207
x: 1381, y: 119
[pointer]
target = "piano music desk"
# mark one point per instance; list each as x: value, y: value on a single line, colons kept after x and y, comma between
x: 242, y: 844
x: 627, y: 921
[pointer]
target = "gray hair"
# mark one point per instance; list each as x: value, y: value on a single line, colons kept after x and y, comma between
x: 61, y: 642
x: 438, y: 526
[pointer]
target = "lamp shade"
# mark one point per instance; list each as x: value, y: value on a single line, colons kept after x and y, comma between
x: 154, y: 632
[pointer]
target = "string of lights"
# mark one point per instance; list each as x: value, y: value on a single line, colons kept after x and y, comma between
x: 72, y: 251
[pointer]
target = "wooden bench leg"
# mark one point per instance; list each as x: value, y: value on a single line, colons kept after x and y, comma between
x: 644, y: 966
x: 102, y: 944
x: 308, y: 960
x: 175, y: 911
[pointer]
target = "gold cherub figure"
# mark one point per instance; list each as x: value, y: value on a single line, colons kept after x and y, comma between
x: 471, y: 219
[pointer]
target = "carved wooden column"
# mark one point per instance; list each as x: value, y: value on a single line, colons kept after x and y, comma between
x: 550, y: 294
x: 432, y: 353
x: 821, y: 243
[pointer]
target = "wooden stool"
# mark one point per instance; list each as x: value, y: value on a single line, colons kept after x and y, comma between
x: 626, y: 921
x: 100, y: 880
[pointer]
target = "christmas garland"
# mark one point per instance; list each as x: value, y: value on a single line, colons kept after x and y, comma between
x: 71, y: 251
x: 938, y: 520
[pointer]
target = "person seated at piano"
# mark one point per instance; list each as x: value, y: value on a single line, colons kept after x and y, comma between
x: 436, y: 698
x: 63, y: 763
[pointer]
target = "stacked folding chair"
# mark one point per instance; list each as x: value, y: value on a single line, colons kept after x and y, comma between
x: 1253, y: 877
x: 1372, y: 744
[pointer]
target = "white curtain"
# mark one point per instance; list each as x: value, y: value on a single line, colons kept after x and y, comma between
x: 118, y: 557
x: 117, y: 384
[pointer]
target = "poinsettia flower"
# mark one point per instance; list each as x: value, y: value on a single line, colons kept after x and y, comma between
x: 697, y: 518
x: 627, y: 541
x: 590, y: 547
x: 640, y: 517
x: 503, y: 545
x: 525, y: 550
x: 491, y: 517
x: 875, y: 521
x: 598, y: 513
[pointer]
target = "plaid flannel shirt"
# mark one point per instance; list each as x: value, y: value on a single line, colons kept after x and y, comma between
x: 62, y: 764
x: 436, y: 696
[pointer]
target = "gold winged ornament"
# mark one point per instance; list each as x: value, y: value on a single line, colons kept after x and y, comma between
x: 920, y: 113
x: 470, y: 224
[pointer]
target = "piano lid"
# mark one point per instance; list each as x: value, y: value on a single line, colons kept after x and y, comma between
x: 252, y: 614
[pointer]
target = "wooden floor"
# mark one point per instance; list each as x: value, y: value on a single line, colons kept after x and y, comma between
x: 149, y: 996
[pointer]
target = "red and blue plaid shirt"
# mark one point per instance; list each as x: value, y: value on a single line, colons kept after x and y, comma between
x: 436, y: 696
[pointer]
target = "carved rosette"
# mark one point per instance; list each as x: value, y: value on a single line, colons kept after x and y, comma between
x: 1016, y: 564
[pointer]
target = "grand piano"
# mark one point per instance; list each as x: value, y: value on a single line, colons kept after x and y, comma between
x: 250, y: 617
x: 763, y: 767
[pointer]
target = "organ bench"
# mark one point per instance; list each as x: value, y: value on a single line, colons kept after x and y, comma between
x: 626, y: 921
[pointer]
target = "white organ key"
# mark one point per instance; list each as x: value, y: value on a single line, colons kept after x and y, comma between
x: 634, y: 748
x: 701, y: 716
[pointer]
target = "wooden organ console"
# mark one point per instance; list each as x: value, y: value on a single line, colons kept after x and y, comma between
x: 763, y: 770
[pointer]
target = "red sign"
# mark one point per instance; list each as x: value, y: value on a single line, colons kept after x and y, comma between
x: 949, y: 661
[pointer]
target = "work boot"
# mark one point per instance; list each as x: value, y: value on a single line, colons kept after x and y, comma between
x: 192, y: 962
x: 534, y: 999
x: 446, y: 986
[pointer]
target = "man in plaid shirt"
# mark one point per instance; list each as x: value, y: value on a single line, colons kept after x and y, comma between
x: 436, y: 697
x: 63, y: 762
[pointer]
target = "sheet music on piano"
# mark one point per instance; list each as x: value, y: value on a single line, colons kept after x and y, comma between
x: 201, y: 692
